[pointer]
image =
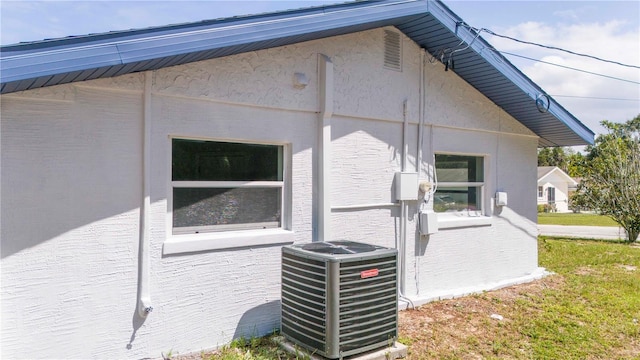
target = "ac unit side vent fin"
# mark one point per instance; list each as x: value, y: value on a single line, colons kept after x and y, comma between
x: 292, y: 303
x: 363, y: 312
x: 372, y: 281
x: 367, y: 324
x: 299, y: 279
x: 295, y: 290
x: 304, y: 263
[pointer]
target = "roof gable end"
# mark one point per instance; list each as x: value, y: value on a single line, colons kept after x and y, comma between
x: 429, y: 23
x: 549, y: 171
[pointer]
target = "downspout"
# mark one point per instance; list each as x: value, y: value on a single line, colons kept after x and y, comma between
x: 144, y: 298
x: 325, y: 75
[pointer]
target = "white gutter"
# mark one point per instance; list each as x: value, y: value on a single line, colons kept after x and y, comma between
x: 144, y: 299
x: 325, y: 80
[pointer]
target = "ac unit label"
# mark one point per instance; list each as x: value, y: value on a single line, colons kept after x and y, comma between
x: 368, y: 273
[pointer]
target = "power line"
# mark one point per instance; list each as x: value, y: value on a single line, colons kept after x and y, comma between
x: 557, y: 48
x: 595, y: 98
x: 569, y: 67
x: 478, y: 31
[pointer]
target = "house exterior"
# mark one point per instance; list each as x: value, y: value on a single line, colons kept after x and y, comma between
x: 149, y: 178
x: 554, y: 187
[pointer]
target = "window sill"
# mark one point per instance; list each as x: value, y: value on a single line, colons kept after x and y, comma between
x: 179, y: 244
x: 453, y: 221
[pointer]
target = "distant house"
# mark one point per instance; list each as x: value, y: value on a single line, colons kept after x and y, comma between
x: 151, y: 177
x: 554, y: 188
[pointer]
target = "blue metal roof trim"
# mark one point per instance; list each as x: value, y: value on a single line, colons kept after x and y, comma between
x: 429, y: 23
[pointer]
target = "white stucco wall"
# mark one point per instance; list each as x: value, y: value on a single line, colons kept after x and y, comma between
x: 72, y: 188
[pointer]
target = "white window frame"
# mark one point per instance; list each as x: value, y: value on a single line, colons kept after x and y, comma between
x: 540, y: 192
x: 184, y: 240
x: 468, y: 218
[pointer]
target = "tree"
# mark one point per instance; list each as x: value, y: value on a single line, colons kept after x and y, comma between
x: 575, y: 163
x: 566, y: 159
x: 555, y: 156
x: 611, y: 179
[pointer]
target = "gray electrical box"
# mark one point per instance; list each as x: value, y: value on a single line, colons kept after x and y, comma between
x: 406, y: 186
x: 339, y: 298
x: 428, y: 222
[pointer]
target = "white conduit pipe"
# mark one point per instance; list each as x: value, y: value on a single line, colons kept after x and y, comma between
x: 363, y: 206
x: 404, y: 207
x: 325, y: 73
x: 421, y: 120
x: 420, y: 114
x: 144, y: 298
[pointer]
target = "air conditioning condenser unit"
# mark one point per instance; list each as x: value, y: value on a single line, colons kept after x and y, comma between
x: 339, y: 298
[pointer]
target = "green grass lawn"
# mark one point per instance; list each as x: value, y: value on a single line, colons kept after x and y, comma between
x: 575, y: 219
x: 596, y: 313
x: 589, y: 309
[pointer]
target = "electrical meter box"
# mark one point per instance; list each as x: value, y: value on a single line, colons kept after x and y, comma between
x: 406, y: 186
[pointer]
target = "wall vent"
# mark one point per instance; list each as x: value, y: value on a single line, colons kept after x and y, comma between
x: 392, y: 50
x: 339, y: 298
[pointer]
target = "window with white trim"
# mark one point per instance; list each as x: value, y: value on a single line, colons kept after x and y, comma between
x: 460, y: 184
x: 225, y: 186
x: 540, y: 192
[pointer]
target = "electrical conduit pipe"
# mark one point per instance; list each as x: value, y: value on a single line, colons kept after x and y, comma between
x: 144, y: 298
x: 325, y: 75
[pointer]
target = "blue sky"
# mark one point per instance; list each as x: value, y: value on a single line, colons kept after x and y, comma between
x: 606, y: 29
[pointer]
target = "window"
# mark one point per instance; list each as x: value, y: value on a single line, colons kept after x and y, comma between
x: 540, y: 192
x: 224, y: 186
x: 460, y: 184
x: 551, y: 195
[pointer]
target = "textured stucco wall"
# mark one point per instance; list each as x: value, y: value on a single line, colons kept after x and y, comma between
x: 72, y: 188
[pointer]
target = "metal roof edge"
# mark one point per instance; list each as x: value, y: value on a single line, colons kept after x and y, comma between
x: 67, y: 40
x: 79, y: 56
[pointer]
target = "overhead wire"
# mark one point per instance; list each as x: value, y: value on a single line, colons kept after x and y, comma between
x: 478, y: 31
x: 446, y: 55
x: 593, y: 97
x: 559, y: 49
x: 568, y: 67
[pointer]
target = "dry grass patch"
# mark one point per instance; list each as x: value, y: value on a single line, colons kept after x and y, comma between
x: 463, y: 328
